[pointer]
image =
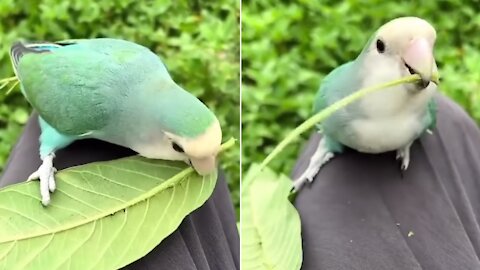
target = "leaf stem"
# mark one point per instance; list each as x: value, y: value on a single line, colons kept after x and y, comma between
x: 322, y: 115
x: 226, y: 145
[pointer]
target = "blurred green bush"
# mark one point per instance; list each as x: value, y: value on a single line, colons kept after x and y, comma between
x: 289, y: 46
x: 198, y: 41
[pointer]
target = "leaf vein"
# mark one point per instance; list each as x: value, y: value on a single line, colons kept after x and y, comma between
x: 79, y: 200
x: 147, y: 206
x: 41, y: 249
x: 112, y: 181
x: 154, y: 165
x: 92, y: 191
x: 163, y: 214
x: 106, y: 245
x: 24, y: 216
x: 9, y: 250
x: 78, y: 247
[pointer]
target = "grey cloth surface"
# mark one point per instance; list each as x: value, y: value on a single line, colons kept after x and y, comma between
x: 206, y: 239
x: 359, y: 211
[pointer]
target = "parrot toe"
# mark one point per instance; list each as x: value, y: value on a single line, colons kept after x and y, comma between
x: 33, y: 176
x: 405, y: 161
x: 404, y: 165
x: 46, y: 175
x: 51, y: 181
x: 319, y: 158
x: 403, y: 155
x: 307, y: 177
x: 327, y: 157
x: 297, y: 185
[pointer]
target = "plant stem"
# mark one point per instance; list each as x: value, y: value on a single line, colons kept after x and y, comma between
x: 227, y: 144
x: 9, y: 79
x: 11, y: 88
x: 2, y: 85
x: 322, y: 115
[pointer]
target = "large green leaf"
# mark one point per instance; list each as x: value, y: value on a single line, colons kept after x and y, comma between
x: 270, y: 226
x: 102, y: 216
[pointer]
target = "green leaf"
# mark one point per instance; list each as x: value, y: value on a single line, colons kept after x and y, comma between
x: 270, y: 226
x: 103, y: 215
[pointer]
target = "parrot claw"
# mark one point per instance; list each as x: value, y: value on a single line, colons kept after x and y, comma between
x: 46, y: 175
x: 404, y: 165
x: 319, y: 158
x: 297, y: 186
x: 404, y: 155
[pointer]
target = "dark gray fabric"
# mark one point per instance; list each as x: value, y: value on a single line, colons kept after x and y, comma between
x: 206, y: 239
x: 358, y: 212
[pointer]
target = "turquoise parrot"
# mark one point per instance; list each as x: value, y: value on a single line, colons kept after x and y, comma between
x: 116, y: 91
x: 391, y: 119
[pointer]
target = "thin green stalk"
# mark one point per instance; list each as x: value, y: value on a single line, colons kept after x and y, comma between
x: 9, y: 79
x: 322, y: 115
x: 4, y: 82
x: 11, y: 88
x: 2, y: 85
x: 227, y: 144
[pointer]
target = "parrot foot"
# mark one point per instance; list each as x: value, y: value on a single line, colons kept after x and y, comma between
x: 321, y: 156
x: 403, y: 154
x: 45, y: 173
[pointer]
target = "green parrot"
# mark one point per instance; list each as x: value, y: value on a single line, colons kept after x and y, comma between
x: 388, y: 120
x: 116, y: 91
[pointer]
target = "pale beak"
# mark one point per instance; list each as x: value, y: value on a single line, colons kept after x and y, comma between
x: 204, y: 165
x: 418, y: 58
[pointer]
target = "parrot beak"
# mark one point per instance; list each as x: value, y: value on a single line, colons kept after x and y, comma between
x: 204, y: 165
x: 418, y: 58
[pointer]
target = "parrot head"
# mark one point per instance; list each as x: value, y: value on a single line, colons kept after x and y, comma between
x: 200, y: 151
x: 176, y: 125
x: 406, y: 44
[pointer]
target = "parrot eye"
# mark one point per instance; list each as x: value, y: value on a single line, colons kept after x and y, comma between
x: 380, y: 46
x: 177, y: 147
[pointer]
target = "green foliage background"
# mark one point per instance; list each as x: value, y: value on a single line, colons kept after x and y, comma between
x: 289, y: 46
x: 198, y: 41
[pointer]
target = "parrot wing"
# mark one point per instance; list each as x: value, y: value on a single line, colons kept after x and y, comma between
x: 332, y: 88
x: 432, y: 113
x: 76, y: 85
